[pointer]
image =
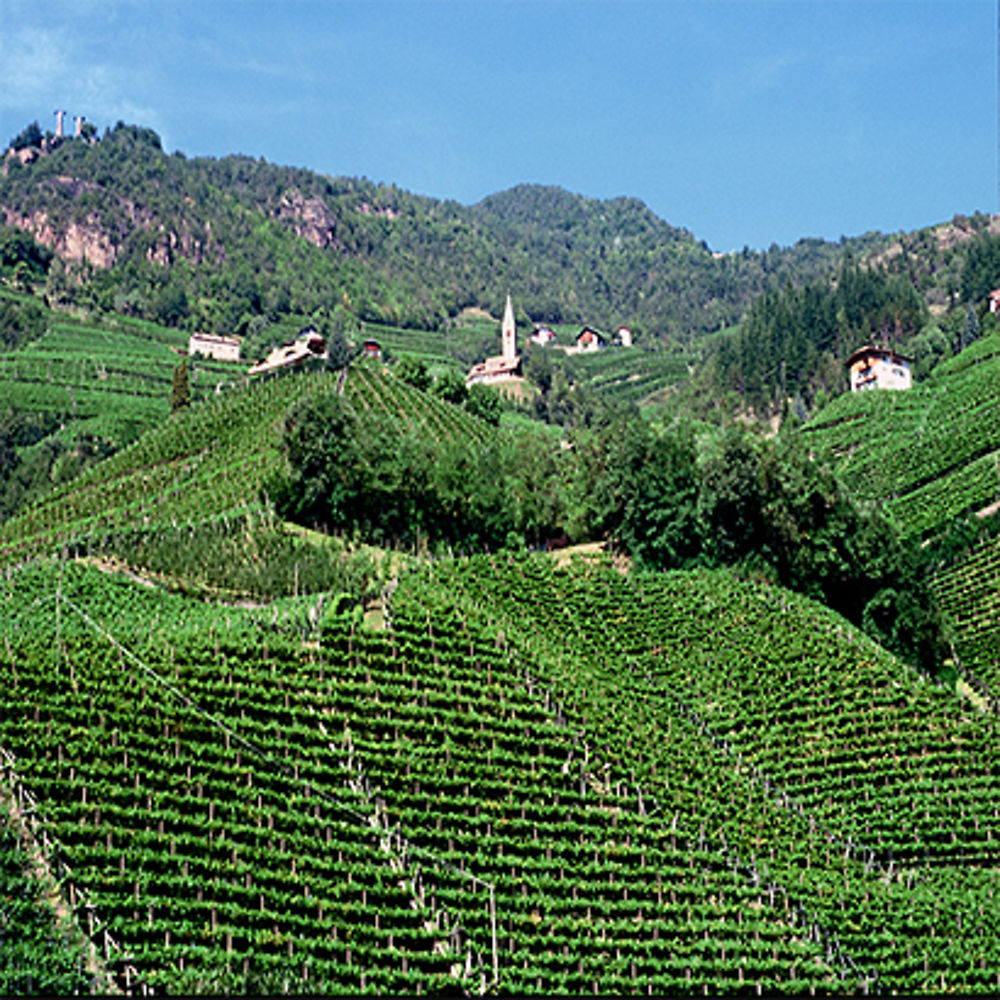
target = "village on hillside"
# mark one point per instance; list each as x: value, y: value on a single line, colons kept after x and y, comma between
x: 309, y: 347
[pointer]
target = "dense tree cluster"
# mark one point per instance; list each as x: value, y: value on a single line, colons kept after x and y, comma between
x: 369, y: 474
x: 689, y: 495
x: 794, y: 342
x: 698, y: 496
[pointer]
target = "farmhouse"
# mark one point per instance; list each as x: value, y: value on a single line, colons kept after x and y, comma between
x: 307, y: 346
x: 371, y: 349
x: 212, y: 346
x: 542, y: 335
x: 589, y: 339
x: 995, y: 300
x: 623, y: 336
x: 878, y: 368
x: 505, y: 367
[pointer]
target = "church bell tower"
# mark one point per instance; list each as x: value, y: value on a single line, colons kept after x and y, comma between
x: 508, y: 333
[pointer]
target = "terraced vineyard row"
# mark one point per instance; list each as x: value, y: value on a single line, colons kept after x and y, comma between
x: 368, y: 386
x: 630, y: 374
x: 871, y: 795
x: 671, y: 784
x: 932, y: 456
x: 202, y: 462
x: 968, y: 595
x: 81, y: 372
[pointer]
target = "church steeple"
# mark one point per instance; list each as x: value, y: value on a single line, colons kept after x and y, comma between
x: 508, y: 333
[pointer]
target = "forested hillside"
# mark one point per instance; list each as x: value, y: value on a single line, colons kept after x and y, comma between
x: 229, y: 245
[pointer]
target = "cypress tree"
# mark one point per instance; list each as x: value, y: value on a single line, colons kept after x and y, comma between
x: 180, y: 388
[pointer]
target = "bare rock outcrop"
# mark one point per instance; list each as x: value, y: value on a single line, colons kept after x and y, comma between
x: 74, y: 240
x: 311, y: 218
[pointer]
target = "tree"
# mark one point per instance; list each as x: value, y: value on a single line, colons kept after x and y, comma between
x: 484, y: 402
x: 180, y: 388
x: 970, y: 332
x: 338, y: 354
x: 451, y: 386
x: 31, y: 135
x: 413, y: 371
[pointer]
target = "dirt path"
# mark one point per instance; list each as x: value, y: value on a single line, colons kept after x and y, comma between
x: 590, y: 550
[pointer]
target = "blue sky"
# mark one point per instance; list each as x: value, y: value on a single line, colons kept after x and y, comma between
x: 746, y: 123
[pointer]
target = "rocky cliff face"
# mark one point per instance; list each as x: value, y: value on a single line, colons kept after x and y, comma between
x: 73, y: 240
x: 76, y: 235
x: 310, y: 217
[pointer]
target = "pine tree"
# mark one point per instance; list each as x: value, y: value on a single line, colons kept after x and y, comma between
x: 180, y: 388
x: 970, y: 332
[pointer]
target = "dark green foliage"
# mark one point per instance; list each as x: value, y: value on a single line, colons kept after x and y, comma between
x: 170, y: 305
x: 483, y: 401
x: 30, y: 135
x: 366, y: 472
x: 180, y: 388
x: 338, y: 354
x: 927, y: 348
x: 450, y: 386
x: 413, y: 371
x: 736, y: 499
x: 22, y: 260
x: 970, y: 331
x: 795, y: 341
x: 21, y: 321
x: 981, y: 269
x: 33, y: 462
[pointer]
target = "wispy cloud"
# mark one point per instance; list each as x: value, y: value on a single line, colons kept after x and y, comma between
x: 755, y: 79
x: 78, y: 56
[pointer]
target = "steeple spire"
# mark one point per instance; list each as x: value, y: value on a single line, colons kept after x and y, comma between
x: 508, y: 333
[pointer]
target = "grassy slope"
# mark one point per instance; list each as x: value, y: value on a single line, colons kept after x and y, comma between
x: 661, y: 777
x: 929, y: 454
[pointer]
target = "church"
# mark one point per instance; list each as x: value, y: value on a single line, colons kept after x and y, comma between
x: 505, y: 367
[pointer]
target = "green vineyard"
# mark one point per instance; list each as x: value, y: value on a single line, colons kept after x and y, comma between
x: 210, y: 461
x: 929, y: 454
x: 530, y: 781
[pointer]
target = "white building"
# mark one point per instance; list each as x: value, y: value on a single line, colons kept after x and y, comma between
x: 506, y: 366
x: 878, y: 368
x: 308, y: 346
x: 543, y: 335
x: 212, y: 346
x: 589, y: 339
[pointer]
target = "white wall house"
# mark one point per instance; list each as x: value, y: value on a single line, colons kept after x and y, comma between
x: 878, y: 368
x: 212, y: 346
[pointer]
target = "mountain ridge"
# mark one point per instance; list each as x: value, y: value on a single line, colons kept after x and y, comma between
x: 124, y: 205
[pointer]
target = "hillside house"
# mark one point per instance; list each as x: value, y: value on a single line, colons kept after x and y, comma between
x: 371, y: 349
x: 212, y: 346
x: 623, y: 336
x: 995, y: 300
x: 308, y: 346
x: 589, y: 339
x: 543, y: 335
x: 878, y: 368
x: 506, y: 366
